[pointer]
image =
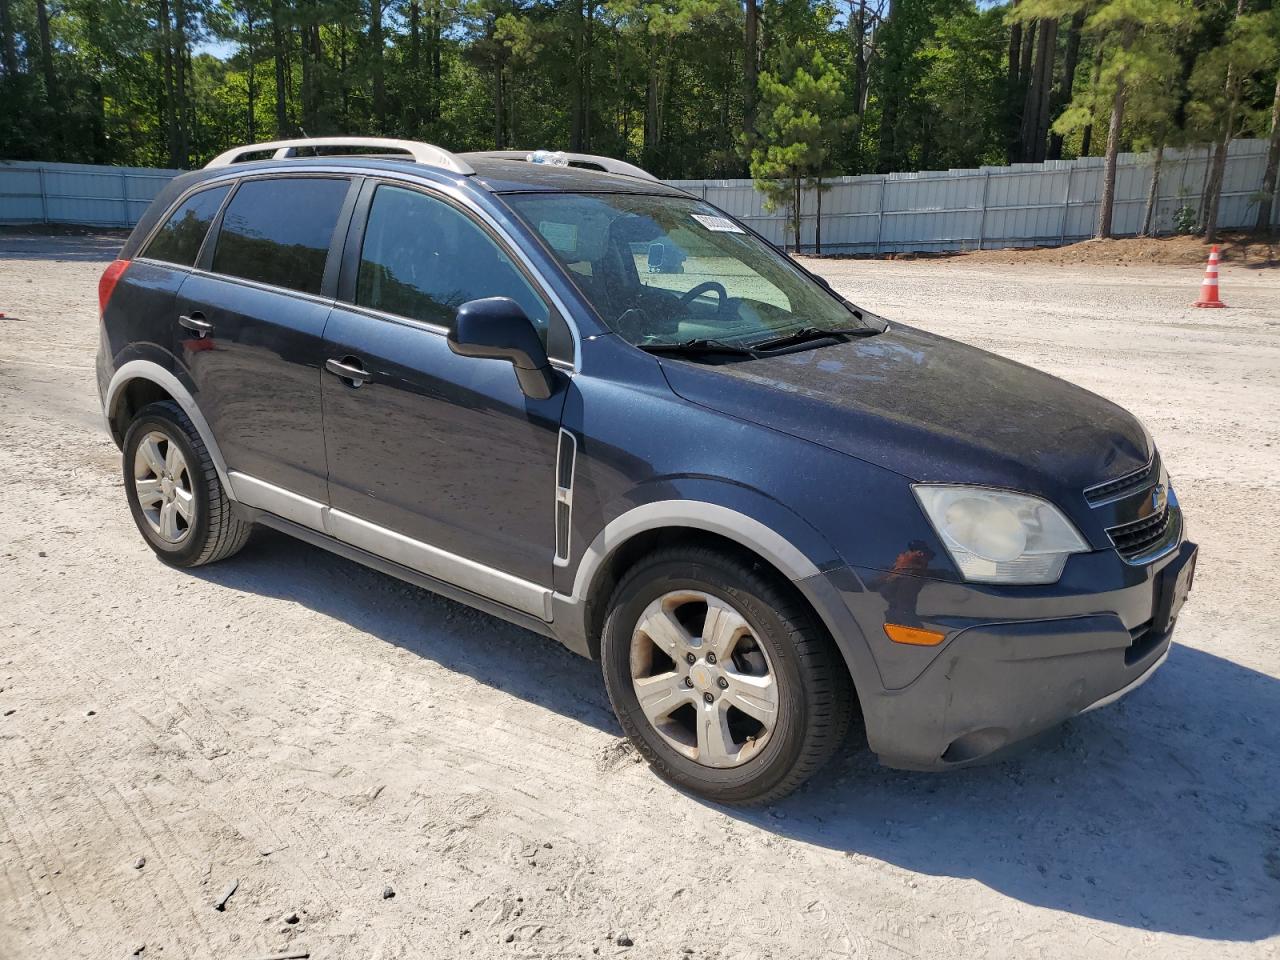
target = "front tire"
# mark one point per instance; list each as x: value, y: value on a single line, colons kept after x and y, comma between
x: 174, y: 492
x: 721, y: 677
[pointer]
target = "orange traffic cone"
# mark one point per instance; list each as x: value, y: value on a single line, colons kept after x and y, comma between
x: 1209, y: 288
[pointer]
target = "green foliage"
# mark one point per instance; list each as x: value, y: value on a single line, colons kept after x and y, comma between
x: 797, y: 124
x: 660, y: 82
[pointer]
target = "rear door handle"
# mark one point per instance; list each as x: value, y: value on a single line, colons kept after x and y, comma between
x: 196, y: 323
x: 348, y: 370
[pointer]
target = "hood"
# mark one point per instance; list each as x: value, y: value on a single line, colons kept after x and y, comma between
x: 929, y: 408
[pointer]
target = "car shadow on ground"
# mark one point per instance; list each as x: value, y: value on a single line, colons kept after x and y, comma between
x: 1160, y: 813
x: 485, y: 648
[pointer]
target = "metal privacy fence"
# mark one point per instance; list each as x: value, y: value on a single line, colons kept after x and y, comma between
x: 1027, y: 204
x: 77, y: 193
x: 1040, y: 204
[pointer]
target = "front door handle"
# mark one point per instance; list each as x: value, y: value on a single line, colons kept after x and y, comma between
x: 348, y: 370
x: 196, y: 323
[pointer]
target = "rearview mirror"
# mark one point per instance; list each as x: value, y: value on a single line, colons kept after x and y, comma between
x: 497, y: 328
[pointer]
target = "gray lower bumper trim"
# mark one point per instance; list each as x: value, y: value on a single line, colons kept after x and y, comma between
x: 1129, y: 687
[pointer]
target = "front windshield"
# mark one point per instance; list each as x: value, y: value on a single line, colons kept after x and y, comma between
x: 671, y: 270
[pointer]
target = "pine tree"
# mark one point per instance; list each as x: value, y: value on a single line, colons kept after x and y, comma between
x: 797, y: 122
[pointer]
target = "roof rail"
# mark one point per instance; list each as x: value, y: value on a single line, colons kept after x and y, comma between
x: 423, y: 153
x: 579, y: 160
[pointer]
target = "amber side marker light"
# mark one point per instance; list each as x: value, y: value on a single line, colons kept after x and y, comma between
x: 913, y: 635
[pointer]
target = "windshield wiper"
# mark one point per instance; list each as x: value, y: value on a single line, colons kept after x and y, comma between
x: 810, y: 334
x: 698, y: 346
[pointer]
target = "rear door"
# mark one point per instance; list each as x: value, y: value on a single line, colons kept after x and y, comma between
x: 142, y: 308
x: 436, y: 460
x: 252, y: 324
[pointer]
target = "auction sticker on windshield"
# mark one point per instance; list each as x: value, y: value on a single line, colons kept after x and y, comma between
x: 717, y: 224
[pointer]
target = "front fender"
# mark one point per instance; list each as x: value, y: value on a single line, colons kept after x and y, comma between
x: 747, y: 517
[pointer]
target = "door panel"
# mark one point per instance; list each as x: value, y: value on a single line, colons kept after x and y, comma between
x: 257, y: 376
x: 440, y: 448
x: 257, y: 368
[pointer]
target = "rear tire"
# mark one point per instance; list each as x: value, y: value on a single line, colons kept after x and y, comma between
x: 174, y: 492
x: 783, y: 690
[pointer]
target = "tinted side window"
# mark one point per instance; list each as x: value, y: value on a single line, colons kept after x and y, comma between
x: 179, y: 239
x: 278, y: 231
x: 423, y: 259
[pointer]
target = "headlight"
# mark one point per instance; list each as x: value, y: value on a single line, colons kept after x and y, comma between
x: 995, y: 536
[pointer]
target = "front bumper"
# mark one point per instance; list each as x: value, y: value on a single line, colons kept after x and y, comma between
x: 997, y: 683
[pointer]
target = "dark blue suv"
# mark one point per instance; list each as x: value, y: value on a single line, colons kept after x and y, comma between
x: 591, y: 404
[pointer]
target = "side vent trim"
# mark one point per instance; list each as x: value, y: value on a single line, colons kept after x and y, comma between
x: 566, y: 461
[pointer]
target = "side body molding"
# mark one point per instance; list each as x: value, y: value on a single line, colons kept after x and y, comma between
x: 149, y: 370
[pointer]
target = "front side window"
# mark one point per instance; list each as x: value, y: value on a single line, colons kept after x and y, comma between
x: 422, y: 259
x: 179, y: 240
x: 278, y: 231
x: 669, y: 270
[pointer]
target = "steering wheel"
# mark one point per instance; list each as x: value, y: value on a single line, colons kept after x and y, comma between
x: 704, y: 287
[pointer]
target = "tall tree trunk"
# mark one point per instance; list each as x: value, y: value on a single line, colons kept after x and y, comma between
x: 1153, y: 193
x: 376, y: 65
x: 588, y: 74
x: 858, y: 24
x: 817, y: 222
x: 251, y: 79
x: 412, y: 112
x: 1050, y: 48
x: 1062, y: 95
x: 1086, y: 137
x: 46, y: 60
x: 653, y: 104
x: 280, y: 54
x: 499, y: 109
x: 1269, y: 176
x: 312, y: 56
x: 1106, y: 206
x: 8, y: 47
x: 180, y: 152
x: 435, y: 34
x: 1213, y: 193
x: 1035, y: 107
x: 751, y: 66
x: 170, y: 95
x: 1015, y: 46
x: 795, y: 212
x: 1019, y: 91
x: 1028, y: 49
x: 415, y: 37
x: 577, y: 119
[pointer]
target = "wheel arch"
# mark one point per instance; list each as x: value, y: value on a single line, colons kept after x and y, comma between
x: 652, y: 526
x: 139, y: 382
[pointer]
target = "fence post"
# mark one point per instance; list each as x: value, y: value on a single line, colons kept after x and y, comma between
x: 124, y: 196
x: 880, y: 214
x: 44, y: 197
x: 1066, y: 207
x: 982, y: 218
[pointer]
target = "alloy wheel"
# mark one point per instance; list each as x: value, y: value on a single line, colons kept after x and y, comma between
x: 702, y: 679
x: 162, y: 481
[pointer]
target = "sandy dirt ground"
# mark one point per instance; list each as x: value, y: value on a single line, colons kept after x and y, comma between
x: 386, y: 774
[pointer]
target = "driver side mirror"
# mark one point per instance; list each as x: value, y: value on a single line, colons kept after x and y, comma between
x: 497, y: 328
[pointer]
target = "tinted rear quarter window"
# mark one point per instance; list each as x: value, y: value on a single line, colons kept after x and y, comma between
x: 278, y: 231
x: 179, y: 240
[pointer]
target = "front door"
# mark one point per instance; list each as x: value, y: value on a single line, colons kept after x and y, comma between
x: 435, y: 460
x: 253, y: 325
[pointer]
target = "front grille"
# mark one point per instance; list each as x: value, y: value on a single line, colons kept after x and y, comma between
x: 1139, y: 537
x: 1123, y: 486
